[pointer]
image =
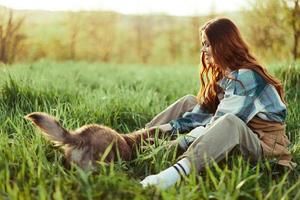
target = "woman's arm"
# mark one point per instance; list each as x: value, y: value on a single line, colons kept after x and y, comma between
x: 190, y: 120
x: 164, y: 127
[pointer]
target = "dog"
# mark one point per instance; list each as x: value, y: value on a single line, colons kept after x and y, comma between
x: 89, y: 143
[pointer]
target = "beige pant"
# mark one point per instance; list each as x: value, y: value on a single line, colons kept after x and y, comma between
x: 219, y: 139
x: 174, y: 111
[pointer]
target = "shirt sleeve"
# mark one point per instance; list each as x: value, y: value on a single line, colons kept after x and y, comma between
x: 190, y: 120
x: 240, y: 95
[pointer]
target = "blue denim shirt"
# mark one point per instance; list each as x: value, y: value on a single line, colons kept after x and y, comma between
x: 254, y: 97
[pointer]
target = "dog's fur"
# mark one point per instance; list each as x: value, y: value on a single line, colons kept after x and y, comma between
x: 87, y: 144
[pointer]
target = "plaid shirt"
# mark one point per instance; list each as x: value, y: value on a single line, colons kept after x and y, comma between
x: 253, y: 97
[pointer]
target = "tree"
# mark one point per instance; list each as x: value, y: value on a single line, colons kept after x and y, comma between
x: 142, y: 27
x: 266, y: 30
x: 11, y: 38
x: 101, y: 32
x: 73, y: 22
x: 293, y: 15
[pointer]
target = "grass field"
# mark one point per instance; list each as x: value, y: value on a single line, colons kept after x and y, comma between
x: 123, y: 97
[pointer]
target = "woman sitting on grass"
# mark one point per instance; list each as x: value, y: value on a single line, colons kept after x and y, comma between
x: 239, y: 104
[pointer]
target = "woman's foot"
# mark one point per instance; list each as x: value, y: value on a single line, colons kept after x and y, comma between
x: 169, y: 176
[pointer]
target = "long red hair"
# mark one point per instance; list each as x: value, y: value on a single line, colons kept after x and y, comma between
x: 229, y: 51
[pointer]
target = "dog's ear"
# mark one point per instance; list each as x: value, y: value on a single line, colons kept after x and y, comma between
x: 49, y: 125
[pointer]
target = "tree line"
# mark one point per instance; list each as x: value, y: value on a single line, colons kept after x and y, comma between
x: 271, y: 27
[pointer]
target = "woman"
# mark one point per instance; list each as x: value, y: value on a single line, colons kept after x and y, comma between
x: 239, y: 104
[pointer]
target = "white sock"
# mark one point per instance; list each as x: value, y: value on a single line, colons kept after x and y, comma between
x: 169, y: 176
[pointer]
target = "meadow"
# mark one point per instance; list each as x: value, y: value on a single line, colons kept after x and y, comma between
x: 124, y: 97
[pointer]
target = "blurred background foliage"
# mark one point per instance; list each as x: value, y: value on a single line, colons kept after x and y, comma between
x: 271, y: 28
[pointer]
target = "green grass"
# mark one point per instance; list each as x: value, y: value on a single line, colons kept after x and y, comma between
x: 123, y: 97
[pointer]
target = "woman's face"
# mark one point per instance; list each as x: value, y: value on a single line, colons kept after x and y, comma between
x: 206, y: 49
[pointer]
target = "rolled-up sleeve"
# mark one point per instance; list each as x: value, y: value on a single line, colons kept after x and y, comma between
x: 190, y: 120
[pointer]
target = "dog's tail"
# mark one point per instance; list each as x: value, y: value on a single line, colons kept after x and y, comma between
x: 51, y: 128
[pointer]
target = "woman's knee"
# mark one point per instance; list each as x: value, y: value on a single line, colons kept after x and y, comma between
x: 189, y: 98
x: 231, y: 118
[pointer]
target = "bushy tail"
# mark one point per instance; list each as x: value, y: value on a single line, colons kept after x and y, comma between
x: 50, y: 128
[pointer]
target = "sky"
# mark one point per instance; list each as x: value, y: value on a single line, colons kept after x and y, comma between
x: 172, y: 7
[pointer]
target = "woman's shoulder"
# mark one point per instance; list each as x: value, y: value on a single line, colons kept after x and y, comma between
x: 243, y: 81
x: 243, y: 73
x: 248, y: 76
